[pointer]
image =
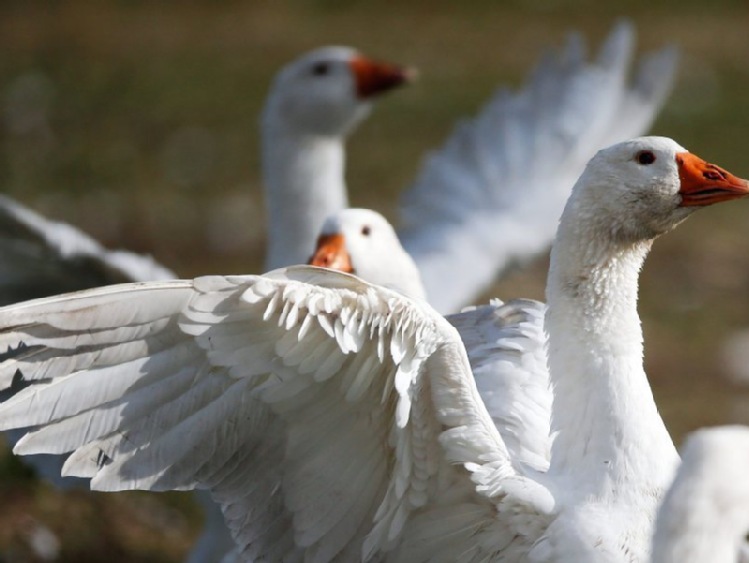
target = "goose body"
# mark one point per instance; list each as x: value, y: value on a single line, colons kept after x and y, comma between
x: 337, y: 420
x: 705, y: 515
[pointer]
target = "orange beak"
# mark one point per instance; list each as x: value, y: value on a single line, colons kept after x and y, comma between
x: 373, y: 77
x: 331, y: 253
x: 703, y: 183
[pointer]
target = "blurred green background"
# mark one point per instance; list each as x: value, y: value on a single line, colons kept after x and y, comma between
x: 138, y: 122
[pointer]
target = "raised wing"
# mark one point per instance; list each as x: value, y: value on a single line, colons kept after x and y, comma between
x: 39, y: 257
x: 506, y: 346
x: 333, y: 422
x: 493, y: 194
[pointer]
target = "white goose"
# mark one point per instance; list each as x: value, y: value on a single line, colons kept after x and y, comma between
x: 504, y: 341
x: 507, y: 171
x: 336, y: 420
x: 363, y: 242
x: 313, y: 104
x: 705, y: 514
x: 568, y: 108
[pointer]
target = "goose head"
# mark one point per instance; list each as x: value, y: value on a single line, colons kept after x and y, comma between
x: 639, y: 189
x: 363, y: 242
x: 329, y: 91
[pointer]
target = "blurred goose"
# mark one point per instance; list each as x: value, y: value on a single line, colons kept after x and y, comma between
x: 509, y: 170
x: 337, y: 420
x: 313, y: 105
x: 513, y: 386
x: 705, y: 514
x: 363, y: 242
x: 39, y: 257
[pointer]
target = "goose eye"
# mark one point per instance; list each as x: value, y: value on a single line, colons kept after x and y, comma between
x: 366, y: 230
x: 320, y: 69
x: 645, y: 157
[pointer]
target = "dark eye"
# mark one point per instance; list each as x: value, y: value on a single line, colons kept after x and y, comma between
x: 366, y: 230
x: 645, y: 157
x: 320, y: 69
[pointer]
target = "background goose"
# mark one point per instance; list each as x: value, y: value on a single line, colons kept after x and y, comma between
x: 315, y: 102
x: 504, y: 341
x: 508, y: 170
x: 705, y: 515
x: 350, y: 413
x: 363, y: 242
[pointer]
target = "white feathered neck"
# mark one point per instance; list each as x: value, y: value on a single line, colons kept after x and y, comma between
x: 607, y: 426
x: 304, y: 184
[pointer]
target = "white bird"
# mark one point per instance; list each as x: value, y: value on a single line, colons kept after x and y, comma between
x: 336, y: 420
x: 41, y: 257
x: 313, y: 104
x: 504, y: 342
x: 705, y: 514
x: 508, y: 171
x: 363, y: 242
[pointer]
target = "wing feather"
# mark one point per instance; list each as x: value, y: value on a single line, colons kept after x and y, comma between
x: 321, y: 438
x: 511, y: 168
x: 506, y: 343
x: 41, y: 257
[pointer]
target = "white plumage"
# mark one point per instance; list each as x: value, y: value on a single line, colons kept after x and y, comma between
x: 489, y: 197
x: 493, y: 193
x: 705, y: 515
x: 39, y: 257
x: 505, y: 343
x: 336, y: 420
x: 567, y: 103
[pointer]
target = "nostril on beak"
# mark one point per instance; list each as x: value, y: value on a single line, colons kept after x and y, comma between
x: 715, y: 173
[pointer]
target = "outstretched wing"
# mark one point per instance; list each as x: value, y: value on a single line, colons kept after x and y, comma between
x: 39, y: 257
x: 494, y: 192
x: 506, y: 346
x: 332, y: 419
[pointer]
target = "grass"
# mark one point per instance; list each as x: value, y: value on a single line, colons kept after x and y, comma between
x: 137, y: 121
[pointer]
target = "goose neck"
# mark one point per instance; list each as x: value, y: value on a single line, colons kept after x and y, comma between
x: 607, y: 426
x: 304, y: 183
